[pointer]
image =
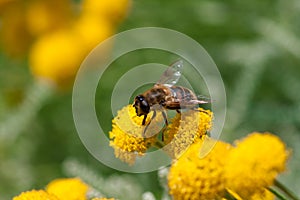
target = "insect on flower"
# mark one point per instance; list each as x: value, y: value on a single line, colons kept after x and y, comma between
x: 164, y: 95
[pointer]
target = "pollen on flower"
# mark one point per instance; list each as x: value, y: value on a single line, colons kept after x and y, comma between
x: 255, y: 163
x: 196, y: 178
x: 185, y: 129
x: 35, y: 195
x: 127, y: 135
x: 68, y: 188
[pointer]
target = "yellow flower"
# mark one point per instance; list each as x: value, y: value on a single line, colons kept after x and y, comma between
x: 127, y: 135
x: 254, y: 164
x: 35, y: 195
x: 112, y: 10
x: 47, y: 15
x: 15, y: 38
x: 57, y: 57
x: 68, y: 189
x: 185, y: 129
x: 92, y: 30
x: 193, y: 177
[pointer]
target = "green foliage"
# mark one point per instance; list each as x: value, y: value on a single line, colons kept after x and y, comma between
x: 256, y: 46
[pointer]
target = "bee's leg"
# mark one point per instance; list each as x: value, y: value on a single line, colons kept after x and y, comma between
x: 178, y: 111
x: 196, y: 109
x: 166, y: 124
x: 154, y: 114
x: 144, y: 120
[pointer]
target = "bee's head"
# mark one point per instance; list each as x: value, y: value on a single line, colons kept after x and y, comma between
x: 141, y: 105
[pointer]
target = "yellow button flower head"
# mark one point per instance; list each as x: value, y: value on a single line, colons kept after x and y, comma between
x: 185, y: 129
x: 127, y: 135
x: 35, y: 195
x: 112, y: 10
x: 92, y: 30
x: 68, y: 189
x: 47, y: 15
x: 255, y: 163
x: 15, y: 39
x: 56, y: 57
x: 194, y: 178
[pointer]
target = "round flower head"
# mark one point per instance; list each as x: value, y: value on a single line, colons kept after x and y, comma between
x: 254, y: 164
x: 185, y: 129
x: 35, y: 195
x: 57, y: 57
x: 193, y: 177
x: 127, y: 135
x: 68, y: 189
x: 112, y: 10
x: 48, y: 15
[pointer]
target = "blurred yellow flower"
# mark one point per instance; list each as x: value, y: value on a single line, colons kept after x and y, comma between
x: 194, y: 178
x: 92, y: 31
x: 47, y: 15
x: 68, y: 189
x: 35, y: 195
x: 55, y: 34
x: 127, y: 135
x: 14, y: 35
x: 255, y: 163
x: 57, y: 56
x: 112, y: 10
x: 185, y: 129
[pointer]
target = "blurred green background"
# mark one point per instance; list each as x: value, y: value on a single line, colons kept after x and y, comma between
x: 256, y: 46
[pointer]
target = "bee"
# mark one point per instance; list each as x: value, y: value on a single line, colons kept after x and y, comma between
x: 164, y: 95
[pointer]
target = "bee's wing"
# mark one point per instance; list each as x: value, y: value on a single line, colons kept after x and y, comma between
x: 187, y: 102
x: 171, y: 76
x: 203, y: 99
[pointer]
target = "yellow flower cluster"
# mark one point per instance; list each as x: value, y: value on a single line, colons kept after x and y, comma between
x: 243, y: 171
x: 127, y: 135
x: 58, y: 34
x: 35, y: 195
x: 185, y: 129
x: 68, y: 188
x: 255, y: 163
x: 195, y: 178
x: 60, y: 189
x: 130, y: 138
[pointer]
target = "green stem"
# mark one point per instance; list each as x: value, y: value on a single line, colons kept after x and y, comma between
x: 277, y: 194
x: 18, y: 120
x: 229, y: 196
x: 286, y: 191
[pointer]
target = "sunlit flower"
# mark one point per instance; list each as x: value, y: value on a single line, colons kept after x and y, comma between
x: 35, y: 195
x: 196, y: 177
x: 127, y: 135
x: 185, y: 129
x: 92, y: 30
x: 15, y: 38
x: 47, y: 15
x: 112, y: 10
x: 57, y: 57
x: 68, y: 189
x: 255, y: 163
